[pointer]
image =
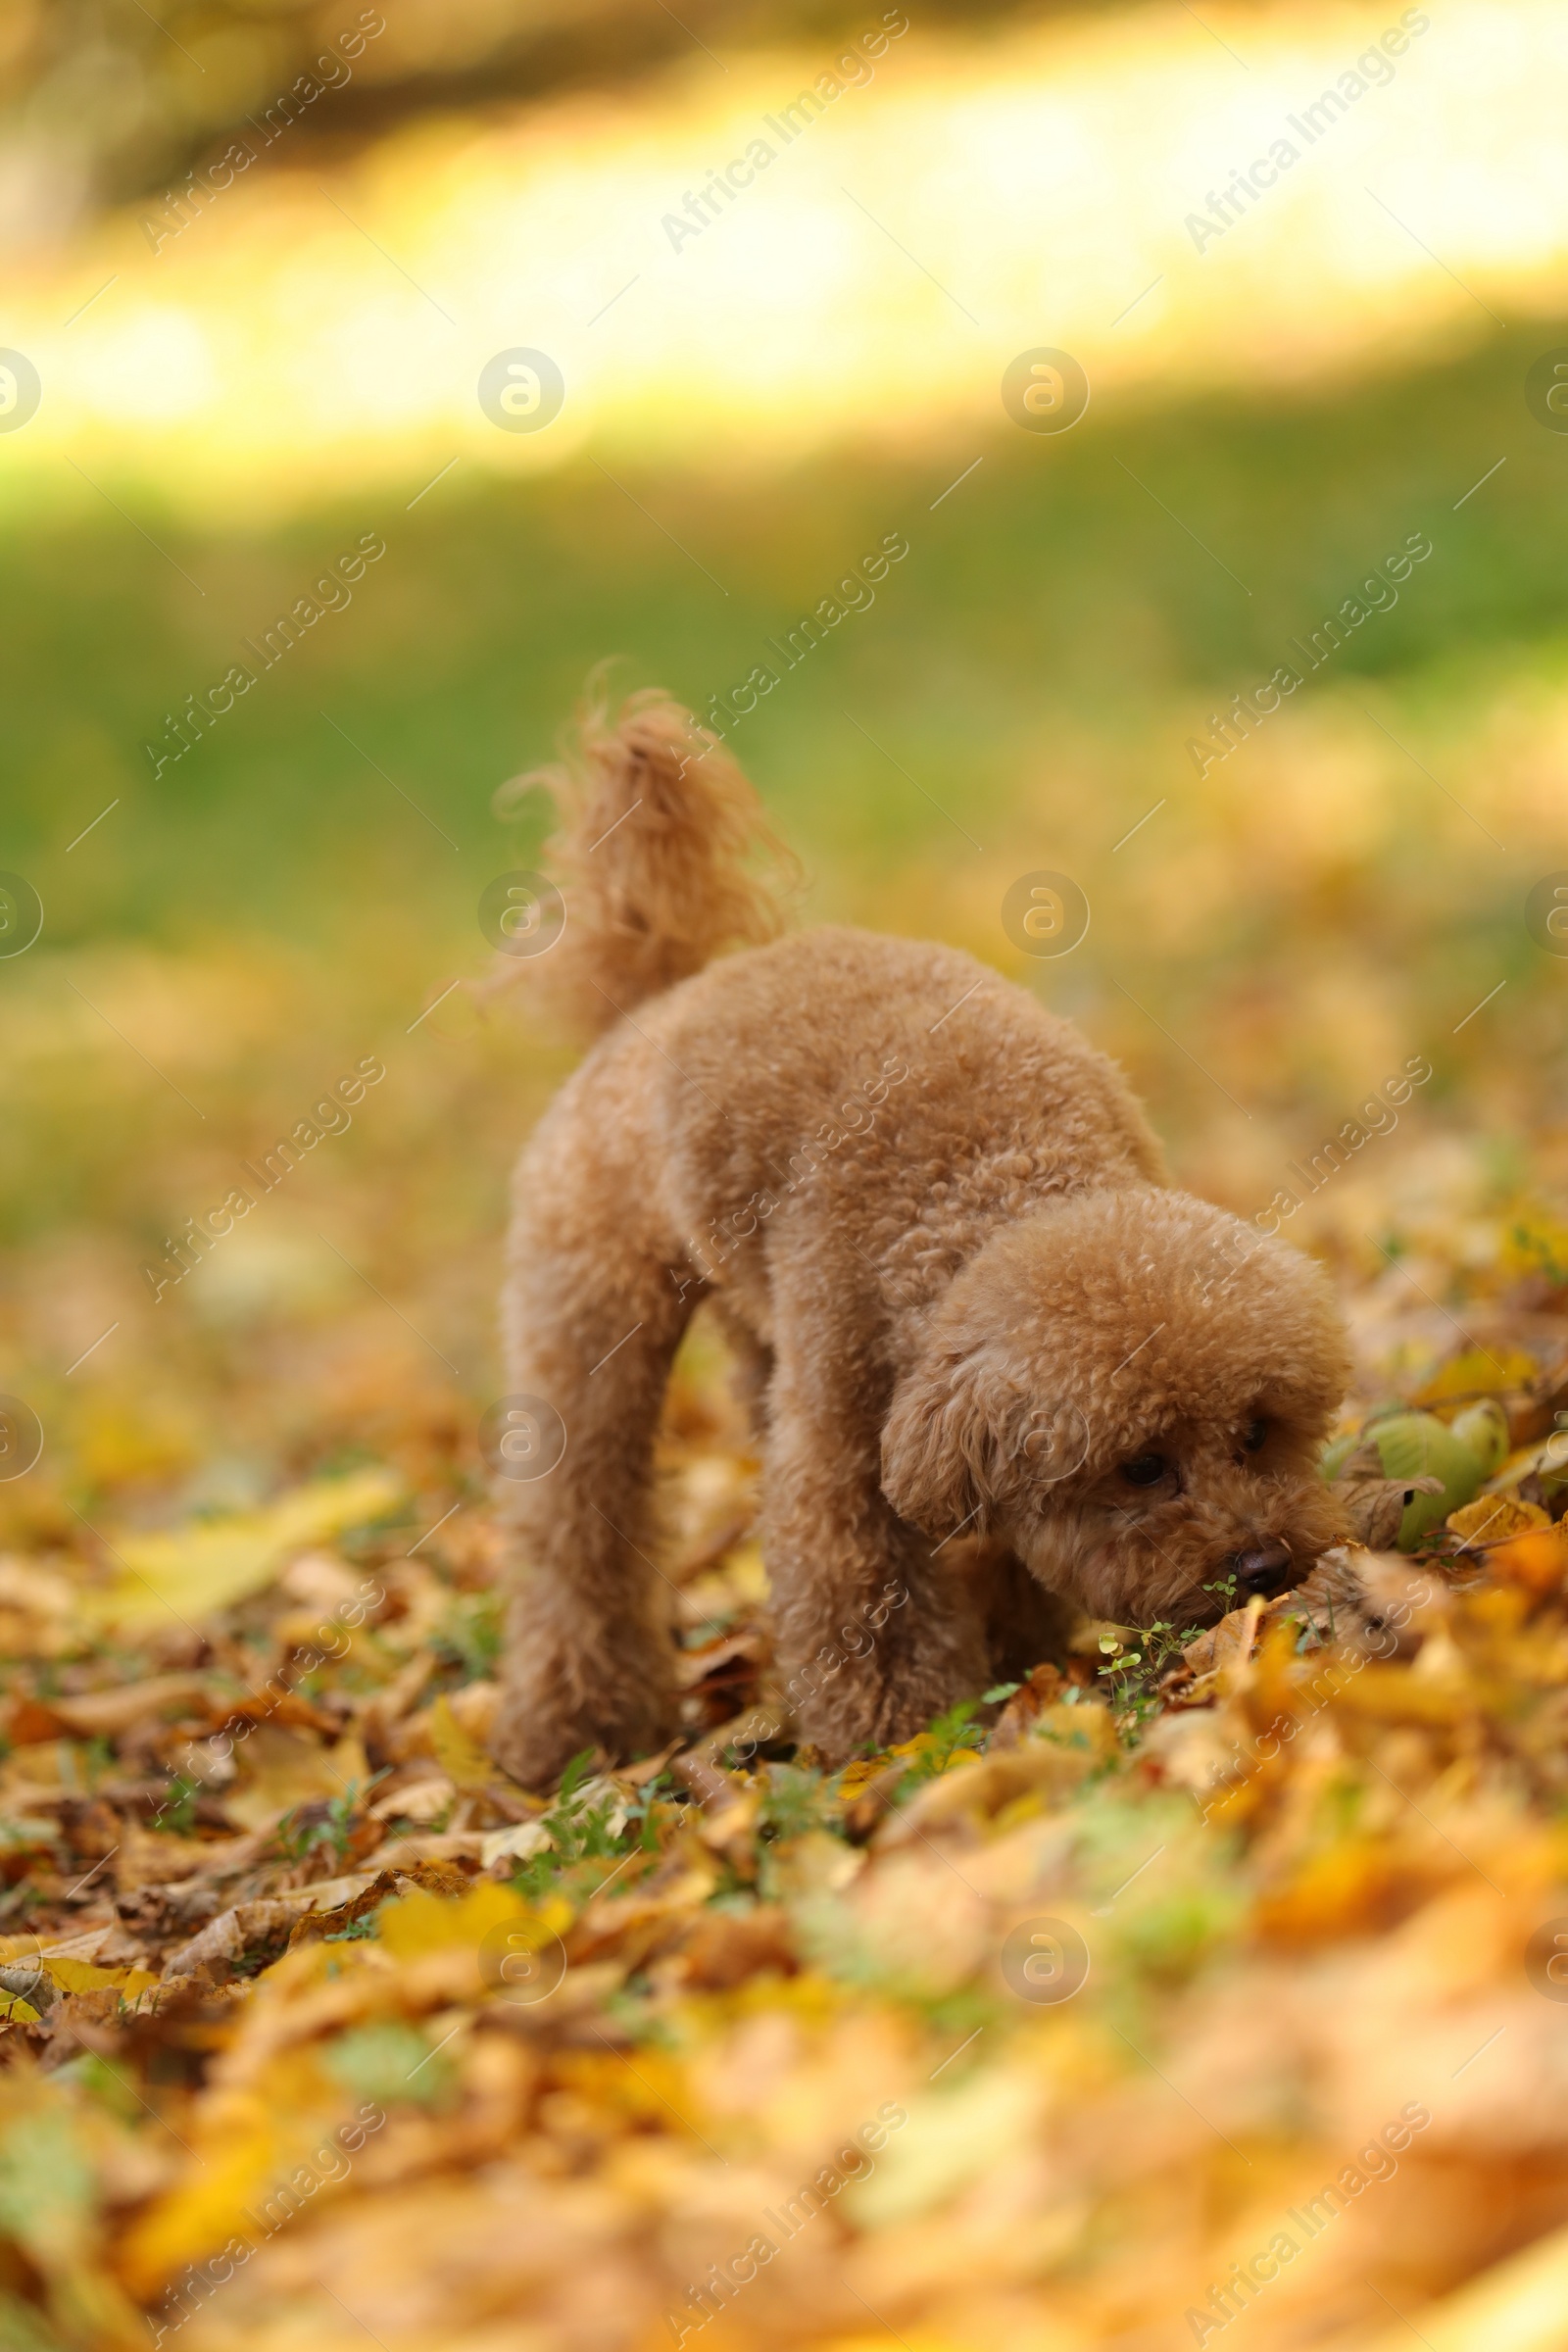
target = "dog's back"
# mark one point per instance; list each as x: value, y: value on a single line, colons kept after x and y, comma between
x: 893, y: 1092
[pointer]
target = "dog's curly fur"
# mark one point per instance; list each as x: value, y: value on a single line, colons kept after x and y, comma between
x: 935, y: 1223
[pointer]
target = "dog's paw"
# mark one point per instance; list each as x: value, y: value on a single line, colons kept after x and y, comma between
x: 529, y: 1751
x: 533, y: 1742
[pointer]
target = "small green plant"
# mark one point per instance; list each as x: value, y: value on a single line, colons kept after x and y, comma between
x: 642, y: 1810
x: 357, y: 1930
x: 578, y: 1832
x: 328, y: 1824
x: 794, y: 1798
x: 469, y: 1636
x: 948, y: 1734
x: 1539, y: 1246
x: 178, y: 1811
x: 1131, y: 1676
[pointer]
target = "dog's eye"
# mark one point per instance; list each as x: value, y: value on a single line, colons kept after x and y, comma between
x: 1146, y: 1470
x: 1256, y: 1432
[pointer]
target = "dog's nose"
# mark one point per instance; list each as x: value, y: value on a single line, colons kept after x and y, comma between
x: 1266, y: 1568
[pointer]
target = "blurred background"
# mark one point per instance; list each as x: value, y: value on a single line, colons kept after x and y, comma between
x: 269, y: 266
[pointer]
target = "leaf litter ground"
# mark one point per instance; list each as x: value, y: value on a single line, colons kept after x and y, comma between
x: 1197, y: 1989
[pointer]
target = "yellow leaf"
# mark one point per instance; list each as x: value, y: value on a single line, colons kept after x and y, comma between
x: 85, y: 1976
x: 422, y: 1923
x: 232, y: 2189
x: 1495, y: 1519
x: 204, y: 2210
x: 200, y: 1569
x: 282, y: 1771
x: 1480, y: 1372
x: 351, y: 1763
x: 82, y: 1976
x: 463, y: 1761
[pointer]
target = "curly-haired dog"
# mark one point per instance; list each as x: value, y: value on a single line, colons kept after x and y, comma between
x: 984, y: 1337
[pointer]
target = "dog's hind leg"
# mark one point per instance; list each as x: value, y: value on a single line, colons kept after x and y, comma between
x: 593, y: 1318
x: 876, y: 1634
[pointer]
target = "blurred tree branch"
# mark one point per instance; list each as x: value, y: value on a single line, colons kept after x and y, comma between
x: 101, y: 101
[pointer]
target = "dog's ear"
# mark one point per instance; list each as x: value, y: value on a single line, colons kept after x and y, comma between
x: 954, y: 1443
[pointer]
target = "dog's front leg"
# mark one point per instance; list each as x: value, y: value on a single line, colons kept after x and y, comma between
x: 876, y: 1634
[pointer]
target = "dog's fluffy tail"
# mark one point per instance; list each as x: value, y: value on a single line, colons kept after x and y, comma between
x: 662, y: 852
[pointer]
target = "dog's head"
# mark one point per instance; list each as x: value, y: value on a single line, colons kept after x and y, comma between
x: 1131, y: 1387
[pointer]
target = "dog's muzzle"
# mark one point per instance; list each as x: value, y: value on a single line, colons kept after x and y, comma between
x: 1267, y: 1568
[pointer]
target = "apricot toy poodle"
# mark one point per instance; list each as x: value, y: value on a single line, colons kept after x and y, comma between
x: 1000, y: 1366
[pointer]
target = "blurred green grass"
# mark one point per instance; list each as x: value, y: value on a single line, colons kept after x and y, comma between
x: 1049, y: 591
x: 1049, y: 588
x: 272, y: 907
